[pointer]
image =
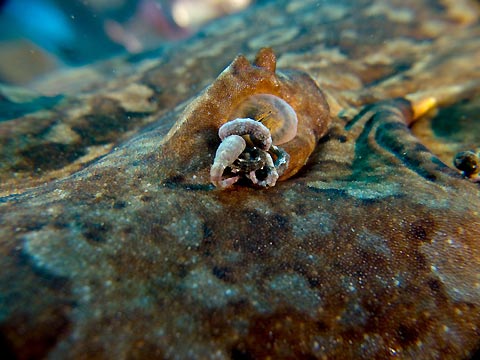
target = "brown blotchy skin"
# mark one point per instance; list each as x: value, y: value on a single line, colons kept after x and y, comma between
x: 371, y: 251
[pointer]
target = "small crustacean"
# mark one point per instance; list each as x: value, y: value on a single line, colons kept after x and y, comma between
x: 264, y: 107
x: 245, y: 161
x: 270, y: 119
x: 251, y: 159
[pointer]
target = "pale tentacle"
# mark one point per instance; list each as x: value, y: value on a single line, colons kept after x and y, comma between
x: 258, y: 132
x: 272, y: 174
x: 228, y: 151
x: 253, y: 177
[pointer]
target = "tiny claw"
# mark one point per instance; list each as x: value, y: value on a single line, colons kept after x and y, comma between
x: 272, y: 174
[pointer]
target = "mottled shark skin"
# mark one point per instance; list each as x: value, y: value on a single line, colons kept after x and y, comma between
x: 114, y: 244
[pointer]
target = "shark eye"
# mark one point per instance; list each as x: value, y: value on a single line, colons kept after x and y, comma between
x: 273, y: 112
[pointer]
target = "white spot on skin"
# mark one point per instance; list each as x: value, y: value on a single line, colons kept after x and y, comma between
x: 209, y: 291
x: 401, y: 15
x: 63, y: 134
x: 447, y: 264
x: 314, y: 223
x: 134, y: 98
x: 373, y: 243
x: 274, y: 37
x: 359, y: 189
x: 295, y: 291
x: 188, y: 229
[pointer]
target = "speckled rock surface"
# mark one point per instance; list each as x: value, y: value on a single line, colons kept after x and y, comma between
x: 114, y: 244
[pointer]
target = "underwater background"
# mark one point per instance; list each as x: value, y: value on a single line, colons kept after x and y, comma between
x: 38, y: 36
x: 239, y: 179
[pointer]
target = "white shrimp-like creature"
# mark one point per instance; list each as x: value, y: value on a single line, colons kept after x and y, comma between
x: 259, y: 120
x: 228, y: 151
x: 233, y: 146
